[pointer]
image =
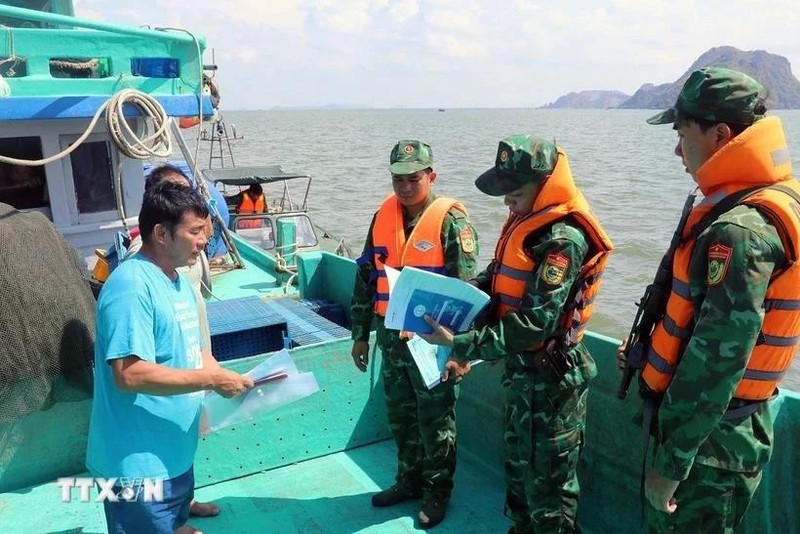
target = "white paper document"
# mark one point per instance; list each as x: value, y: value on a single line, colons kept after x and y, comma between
x: 430, y: 360
x: 277, y: 383
x: 414, y: 293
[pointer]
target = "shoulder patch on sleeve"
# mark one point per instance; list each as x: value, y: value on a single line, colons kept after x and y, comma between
x: 456, y: 214
x: 554, y: 269
x: 719, y: 257
x: 467, y: 239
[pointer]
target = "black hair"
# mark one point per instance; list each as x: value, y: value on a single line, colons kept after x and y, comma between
x: 158, y: 174
x: 166, y: 204
x: 705, y: 125
x: 256, y: 188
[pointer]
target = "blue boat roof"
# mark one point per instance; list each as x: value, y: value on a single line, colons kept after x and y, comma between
x: 83, y: 107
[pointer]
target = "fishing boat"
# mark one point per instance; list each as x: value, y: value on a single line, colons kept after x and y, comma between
x: 312, y: 465
x: 287, y: 200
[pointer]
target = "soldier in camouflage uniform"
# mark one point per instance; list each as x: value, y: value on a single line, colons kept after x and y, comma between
x: 422, y: 421
x: 545, y: 377
x: 712, y: 444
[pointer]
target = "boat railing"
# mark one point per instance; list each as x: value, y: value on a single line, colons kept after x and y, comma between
x: 84, y: 57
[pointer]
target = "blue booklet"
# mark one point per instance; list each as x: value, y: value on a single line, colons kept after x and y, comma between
x: 414, y: 293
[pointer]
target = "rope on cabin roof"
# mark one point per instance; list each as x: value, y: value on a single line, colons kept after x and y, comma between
x: 153, y: 141
x: 137, y: 146
x: 12, y: 56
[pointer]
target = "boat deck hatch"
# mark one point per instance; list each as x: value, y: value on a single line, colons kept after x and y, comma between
x: 252, y: 325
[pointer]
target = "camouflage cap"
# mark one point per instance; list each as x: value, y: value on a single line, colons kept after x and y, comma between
x: 715, y: 94
x: 520, y: 159
x: 409, y: 156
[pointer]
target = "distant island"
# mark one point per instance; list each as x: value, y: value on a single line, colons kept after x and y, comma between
x: 772, y: 70
x: 589, y: 100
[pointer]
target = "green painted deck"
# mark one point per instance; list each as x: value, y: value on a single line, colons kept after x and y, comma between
x: 311, y: 466
x: 258, y: 278
x: 330, y: 494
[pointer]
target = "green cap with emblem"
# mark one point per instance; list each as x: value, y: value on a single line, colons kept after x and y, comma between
x: 520, y: 159
x: 716, y: 94
x: 409, y: 156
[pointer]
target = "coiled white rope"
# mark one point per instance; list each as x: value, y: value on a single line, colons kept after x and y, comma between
x: 155, y: 144
x: 131, y: 144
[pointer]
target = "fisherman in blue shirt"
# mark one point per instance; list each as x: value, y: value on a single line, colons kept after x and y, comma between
x: 152, y: 367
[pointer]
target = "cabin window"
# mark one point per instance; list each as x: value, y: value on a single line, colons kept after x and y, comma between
x: 22, y: 186
x: 92, y: 174
x: 257, y: 231
x: 304, y: 230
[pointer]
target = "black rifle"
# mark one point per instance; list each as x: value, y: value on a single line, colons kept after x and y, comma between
x: 651, y: 307
x: 653, y: 304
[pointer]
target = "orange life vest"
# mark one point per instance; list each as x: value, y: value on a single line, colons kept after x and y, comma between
x: 423, y: 249
x: 559, y: 198
x: 766, y: 157
x: 248, y: 205
x: 188, y: 122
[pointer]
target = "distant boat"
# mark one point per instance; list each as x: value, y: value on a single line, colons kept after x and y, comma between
x: 442, y: 109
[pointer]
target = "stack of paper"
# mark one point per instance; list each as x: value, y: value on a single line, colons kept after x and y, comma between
x: 453, y: 303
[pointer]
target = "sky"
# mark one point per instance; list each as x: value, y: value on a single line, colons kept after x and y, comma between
x: 455, y: 53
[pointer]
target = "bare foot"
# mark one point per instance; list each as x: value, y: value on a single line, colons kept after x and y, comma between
x: 203, y: 509
x: 188, y: 529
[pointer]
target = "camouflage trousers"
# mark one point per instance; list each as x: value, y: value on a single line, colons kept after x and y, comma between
x: 422, y: 421
x: 709, y: 500
x: 544, y: 426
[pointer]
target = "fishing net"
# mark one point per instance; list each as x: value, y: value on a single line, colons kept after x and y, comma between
x: 46, y: 317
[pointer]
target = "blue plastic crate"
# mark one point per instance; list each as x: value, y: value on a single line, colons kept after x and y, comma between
x: 248, y: 342
x: 332, y: 311
x: 305, y: 326
x: 244, y: 327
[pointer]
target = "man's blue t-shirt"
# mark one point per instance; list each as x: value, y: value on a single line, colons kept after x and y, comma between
x: 142, y: 312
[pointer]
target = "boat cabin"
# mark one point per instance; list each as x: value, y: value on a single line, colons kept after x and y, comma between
x: 56, y: 74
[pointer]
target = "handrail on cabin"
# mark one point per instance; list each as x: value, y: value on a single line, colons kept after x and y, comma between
x: 64, y: 20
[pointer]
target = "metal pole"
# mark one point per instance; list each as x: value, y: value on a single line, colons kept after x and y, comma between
x: 201, y: 185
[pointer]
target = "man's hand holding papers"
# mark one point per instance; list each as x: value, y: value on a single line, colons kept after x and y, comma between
x: 275, y: 382
x: 444, y: 337
x: 440, y: 335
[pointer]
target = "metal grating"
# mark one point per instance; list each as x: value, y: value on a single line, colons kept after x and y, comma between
x: 247, y: 326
